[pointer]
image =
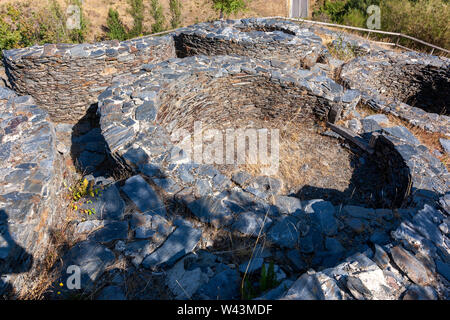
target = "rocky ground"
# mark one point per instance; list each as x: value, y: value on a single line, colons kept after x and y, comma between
x: 344, y: 223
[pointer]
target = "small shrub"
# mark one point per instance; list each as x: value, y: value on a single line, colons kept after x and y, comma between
x: 80, y: 194
x: 157, y: 13
x: 228, y: 7
x: 136, y: 11
x: 175, y: 11
x: 116, y: 28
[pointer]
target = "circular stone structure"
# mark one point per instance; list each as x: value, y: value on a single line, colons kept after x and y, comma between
x: 260, y: 38
x: 65, y: 79
x: 412, y: 85
x: 139, y: 115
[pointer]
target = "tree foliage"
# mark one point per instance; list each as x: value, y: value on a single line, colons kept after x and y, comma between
x: 175, y: 11
x: 228, y: 7
x: 116, y: 28
x: 136, y: 10
x: 157, y: 13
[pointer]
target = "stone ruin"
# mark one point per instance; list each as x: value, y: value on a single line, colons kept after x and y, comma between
x: 166, y: 219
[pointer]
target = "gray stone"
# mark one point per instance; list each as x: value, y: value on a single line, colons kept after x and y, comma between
x: 223, y: 286
x: 378, y: 118
x: 409, y: 264
x: 277, y: 292
x: 250, y: 224
x: 181, y: 242
x: 241, y: 178
x: 211, y: 210
x: 445, y: 143
x: 112, y: 293
x: 284, y: 232
x: 443, y: 268
x: 403, y: 134
x: 288, y: 205
x: 92, y: 258
x: 307, y: 287
x: 254, y: 266
x: 116, y: 230
x: 416, y: 292
x: 144, y: 196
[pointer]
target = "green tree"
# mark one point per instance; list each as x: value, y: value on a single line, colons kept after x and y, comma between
x: 175, y: 11
x: 157, y: 13
x: 227, y: 7
x: 136, y: 11
x: 116, y: 28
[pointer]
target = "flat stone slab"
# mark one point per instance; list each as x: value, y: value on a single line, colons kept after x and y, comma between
x: 182, y: 241
x: 414, y: 269
x: 143, y: 195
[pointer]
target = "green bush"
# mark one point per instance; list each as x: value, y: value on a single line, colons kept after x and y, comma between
x: 423, y: 19
x: 227, y: 7
x: 157, y: 13
x: 136, y: 11
x: 116, y: 28
x: 175, y: 11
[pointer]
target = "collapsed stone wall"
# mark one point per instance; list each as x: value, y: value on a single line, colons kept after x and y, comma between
x: 66, y: 79
x: 31, y: 173
x: 256, y: 38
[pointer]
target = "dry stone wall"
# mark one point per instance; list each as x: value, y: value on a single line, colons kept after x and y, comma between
x: 66, y: 79
x: 413, y: 86
x: 256, y: 38
x: 31, y: 172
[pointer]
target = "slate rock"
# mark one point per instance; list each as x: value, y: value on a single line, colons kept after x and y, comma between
x: 210, y: 209
x: 443, y: 268
x: 378, y: 118
x: 250, y: 224
x: 92, y: 258
x: 416, y: 292
x: 181, y: 242
x: 288, y: 205
x: 143, y: 196
x: 306, y: 287
x: 112, y: 293
x: 255, y: 265
x: 403, y: 134
x: 241, y: 178
x: 223, y: 286
x: 409, y: 264
x: 284, y: 232
x: 445, y: 143
x: 115, y: 230
x: 184, y: 282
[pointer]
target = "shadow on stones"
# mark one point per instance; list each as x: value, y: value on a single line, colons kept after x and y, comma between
x: 89, y: 151
x: 432, y: 92
x: 16, y: 259
x: 368, y: 187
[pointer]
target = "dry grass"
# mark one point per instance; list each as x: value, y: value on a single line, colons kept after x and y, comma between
x: 306, y: 158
